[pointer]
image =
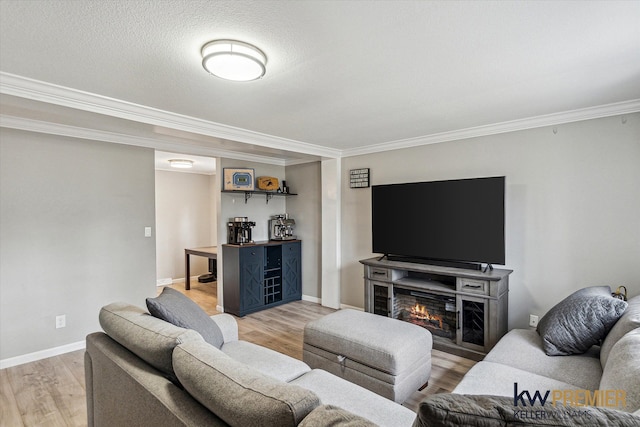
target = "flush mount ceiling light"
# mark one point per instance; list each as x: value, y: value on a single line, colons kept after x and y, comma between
x: 233, y: 60
x: 181, y: 163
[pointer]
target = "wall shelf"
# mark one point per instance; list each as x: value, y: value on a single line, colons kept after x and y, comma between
x: 268, y: 194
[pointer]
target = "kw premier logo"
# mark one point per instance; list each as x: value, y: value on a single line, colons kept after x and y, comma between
x: 603, y: 398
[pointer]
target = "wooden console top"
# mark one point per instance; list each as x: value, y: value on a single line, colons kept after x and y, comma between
x: 492, y: 275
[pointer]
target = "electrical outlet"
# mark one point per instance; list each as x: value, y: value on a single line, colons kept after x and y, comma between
x: 533, y: 320
x: 61, y: 321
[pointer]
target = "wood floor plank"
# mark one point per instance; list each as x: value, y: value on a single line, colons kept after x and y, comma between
x: 48, y: 394
x: 9, y: 411
x: 74, y: 361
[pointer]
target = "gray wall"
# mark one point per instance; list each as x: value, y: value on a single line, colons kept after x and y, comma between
x: 72, y: 218
x: 572, y: 206
x: 185, y: 218
x: 306, y: 209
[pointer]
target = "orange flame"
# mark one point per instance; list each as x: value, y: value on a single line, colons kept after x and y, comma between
x: 421, y: 312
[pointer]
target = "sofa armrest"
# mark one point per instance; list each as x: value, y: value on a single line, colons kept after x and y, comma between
x: 228, y: 325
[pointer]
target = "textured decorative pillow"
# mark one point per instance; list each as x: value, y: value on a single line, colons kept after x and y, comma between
x: 453, y: 410
x: 579, y: 321
x: 332, y: 416
x: 177, y: 309
x: 238, y: 394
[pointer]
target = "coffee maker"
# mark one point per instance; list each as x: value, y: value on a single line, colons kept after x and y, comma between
x: 239, y: 231
x: 281, y: 227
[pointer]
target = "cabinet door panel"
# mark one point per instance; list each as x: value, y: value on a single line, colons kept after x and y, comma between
x: 292, y: 271
x: 251, y: 275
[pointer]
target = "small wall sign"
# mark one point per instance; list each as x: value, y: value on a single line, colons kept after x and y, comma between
x: 359, y: 178
x: 239, y: 179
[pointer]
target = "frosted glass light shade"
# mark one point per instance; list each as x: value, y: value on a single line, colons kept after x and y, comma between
x: 233, y: 60
x: 181, y: 163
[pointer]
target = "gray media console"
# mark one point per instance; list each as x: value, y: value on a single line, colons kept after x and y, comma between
x: 466, y: 311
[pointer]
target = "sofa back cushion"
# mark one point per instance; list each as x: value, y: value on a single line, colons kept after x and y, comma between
x: 176, y: 308
x: 149, y: 338
x: 622, y: 371
x: 235, y: 392
x: 629, y: 321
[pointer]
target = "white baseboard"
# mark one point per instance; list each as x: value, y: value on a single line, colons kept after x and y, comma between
x: 164, y: 282
x: 43, y: 354
x: 170, y: 281
x: 311, y: 299
x: 344, y: 306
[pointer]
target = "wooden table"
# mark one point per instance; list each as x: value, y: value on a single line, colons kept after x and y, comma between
x: 210, y: 252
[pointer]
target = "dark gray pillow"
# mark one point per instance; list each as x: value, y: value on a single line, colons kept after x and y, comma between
x: 453, y: 410
x: 177, y: 309
x: 580, y: 321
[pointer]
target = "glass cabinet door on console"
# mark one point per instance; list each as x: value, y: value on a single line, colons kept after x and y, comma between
x: 473, y: 327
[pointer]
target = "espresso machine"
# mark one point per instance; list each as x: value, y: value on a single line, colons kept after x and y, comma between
x: 281, y: 227
x: 239, y: 231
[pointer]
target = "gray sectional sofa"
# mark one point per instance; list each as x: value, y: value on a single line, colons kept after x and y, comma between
x: 519, y: 358
x: 144, y: 371
x: 501, y: 389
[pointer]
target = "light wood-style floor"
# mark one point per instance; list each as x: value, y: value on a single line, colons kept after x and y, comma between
x: 51, y: 392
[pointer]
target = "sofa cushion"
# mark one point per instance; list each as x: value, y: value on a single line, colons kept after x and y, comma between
x: 453, y: 410
x: 333, y: 390
x: 238, y: 394
x: 581, y: 370
x: 176, y: 308
x: 149, y: 338
x: 269, y: 362
x: 498, y: 379
x: 630, y: 320
x: 622, y: 371
x: 580, y: 321
x: 332, y: 416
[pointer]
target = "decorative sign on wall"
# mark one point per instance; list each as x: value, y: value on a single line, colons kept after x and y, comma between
x: 359, y: 178
x: 239, y: 179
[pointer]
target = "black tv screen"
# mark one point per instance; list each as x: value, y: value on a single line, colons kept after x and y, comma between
x: 454, y: 220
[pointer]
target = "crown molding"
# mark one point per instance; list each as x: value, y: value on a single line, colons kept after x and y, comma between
x: 23, y: 87
x: 625, y: 107
x: 38, y: 126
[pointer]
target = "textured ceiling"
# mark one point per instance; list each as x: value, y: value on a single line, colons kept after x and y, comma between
x: 343, y: 74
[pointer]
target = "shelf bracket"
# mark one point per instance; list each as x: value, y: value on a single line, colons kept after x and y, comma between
x: 247, y: 196
x: 268, y: 197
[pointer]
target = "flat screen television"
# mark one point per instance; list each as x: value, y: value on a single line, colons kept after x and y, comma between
x: 449, y: 222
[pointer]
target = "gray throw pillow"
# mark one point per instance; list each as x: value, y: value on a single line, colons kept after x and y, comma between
x: 175, y: 308
x: 579, y: 321
x: 453, y: 410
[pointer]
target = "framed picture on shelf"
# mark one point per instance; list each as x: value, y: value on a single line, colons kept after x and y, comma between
x: 239, y: 179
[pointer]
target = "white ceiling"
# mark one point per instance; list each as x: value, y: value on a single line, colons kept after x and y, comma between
x: 342, y: 77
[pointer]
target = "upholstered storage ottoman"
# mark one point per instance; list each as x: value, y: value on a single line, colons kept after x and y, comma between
x: 387, y: 356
